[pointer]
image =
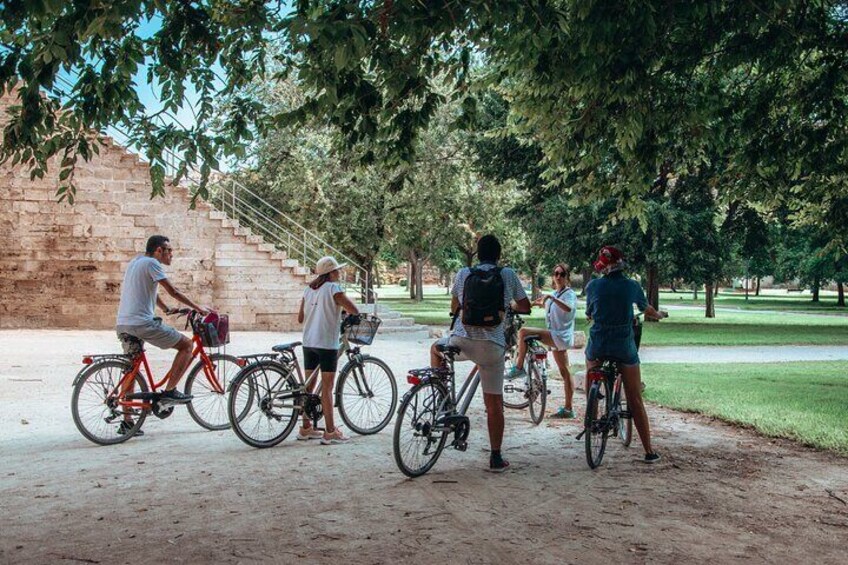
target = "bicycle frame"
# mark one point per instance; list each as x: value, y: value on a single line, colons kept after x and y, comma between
x: 140, y: 363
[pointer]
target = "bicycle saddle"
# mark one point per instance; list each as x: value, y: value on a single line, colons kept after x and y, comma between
x: 286, y: 346
x: 529, y: 338
x: 447, y: 348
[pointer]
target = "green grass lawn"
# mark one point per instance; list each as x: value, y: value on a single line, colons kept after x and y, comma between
x: 807, y: 402
x: 684, y: 327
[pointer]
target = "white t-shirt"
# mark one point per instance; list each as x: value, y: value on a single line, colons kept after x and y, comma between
x: 559, y: 322
x: 322, y: 317
x: 138, y: 291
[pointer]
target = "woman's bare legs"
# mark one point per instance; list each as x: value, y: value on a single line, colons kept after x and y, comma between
x: 632, y: 377
x: 561, y: 359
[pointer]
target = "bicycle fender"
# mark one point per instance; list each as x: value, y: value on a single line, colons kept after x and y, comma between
x: 254, y: 365
x: 78, y: 376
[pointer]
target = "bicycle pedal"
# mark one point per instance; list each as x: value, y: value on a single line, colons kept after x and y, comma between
x: 460, y: 445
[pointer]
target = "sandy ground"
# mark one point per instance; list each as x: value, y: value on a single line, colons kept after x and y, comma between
x: 182, y: 494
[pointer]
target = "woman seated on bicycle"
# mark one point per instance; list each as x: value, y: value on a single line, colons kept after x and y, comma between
x: 560, y: 308
x: 320, y: 314
x: 609, y: 304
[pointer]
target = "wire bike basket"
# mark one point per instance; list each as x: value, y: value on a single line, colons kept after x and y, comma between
x: 363, y: 333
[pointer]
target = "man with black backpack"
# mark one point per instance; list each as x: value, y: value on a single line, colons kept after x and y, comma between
x: 481, y: 296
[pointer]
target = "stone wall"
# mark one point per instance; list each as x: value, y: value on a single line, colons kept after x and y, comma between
x: 61, y: 266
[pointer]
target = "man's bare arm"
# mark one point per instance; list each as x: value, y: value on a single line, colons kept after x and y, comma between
x: 180, y: 297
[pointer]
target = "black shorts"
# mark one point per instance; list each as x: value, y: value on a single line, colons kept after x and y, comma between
x: 327, y: 359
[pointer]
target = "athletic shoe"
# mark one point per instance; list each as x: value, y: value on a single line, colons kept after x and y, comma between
x: 333, y: 438
x: 174, y: 396
x: 125, y: 427
x: 305, y: 434
x: 652, y: 457
x: 563, y: 414
x: 497, y: 464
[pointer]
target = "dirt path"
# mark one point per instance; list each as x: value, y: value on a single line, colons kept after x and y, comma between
x: 181, y: 494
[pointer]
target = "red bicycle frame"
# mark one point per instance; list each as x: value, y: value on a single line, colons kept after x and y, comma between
x: 140, y: 363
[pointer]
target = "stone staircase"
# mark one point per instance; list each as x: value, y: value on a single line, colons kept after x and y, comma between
x: 394, y: 323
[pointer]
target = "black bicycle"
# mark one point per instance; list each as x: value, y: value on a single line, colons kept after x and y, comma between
x: 606, y: 406
x: 269, y: 393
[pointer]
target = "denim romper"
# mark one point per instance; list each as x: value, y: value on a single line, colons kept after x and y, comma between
x: 609, y: 302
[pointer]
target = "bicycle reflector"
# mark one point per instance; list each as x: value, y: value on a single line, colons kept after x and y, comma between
x: 87, y: 360
x: 241, y: 361
x: 413, y: 379
x: 540, y: 355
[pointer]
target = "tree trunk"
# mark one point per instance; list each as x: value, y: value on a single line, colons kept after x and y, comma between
x: 366, y: 284
x: 757, y: 291
x: 587, y: 276
x: 840, y: 294
x: 419, y: 279
x: 469, y: 256
x: 710, y: 299
x: 715, y: 289
x: 654, y: 285
x: 410, y: 279
x: 534, y: 283
x: 378, y: 279
x: 816, y: 286
x: 695, y: 291
x: 448, y: 280
x: 673, y: 289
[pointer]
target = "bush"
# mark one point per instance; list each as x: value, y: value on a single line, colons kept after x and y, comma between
x: 402, y: 282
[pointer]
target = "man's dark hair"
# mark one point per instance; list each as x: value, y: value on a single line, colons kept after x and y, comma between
x: 488, y: 249
x: 155, y: 242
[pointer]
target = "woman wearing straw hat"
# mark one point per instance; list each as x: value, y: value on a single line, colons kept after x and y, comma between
x: 320, y: 313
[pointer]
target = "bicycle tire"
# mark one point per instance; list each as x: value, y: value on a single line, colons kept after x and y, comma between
x: 364, y: 410
x: 538, y: 393
x: 251, y: 409
x: 625, y: 425
x: 95, y: 419
x: 595, y: 424
x: 517, y: 400
x: 417, y: 411
x: 209, y: 408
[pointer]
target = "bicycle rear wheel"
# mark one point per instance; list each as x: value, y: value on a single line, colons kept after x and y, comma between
x: 263, y: 406
x: 538, y: 393
x: 416, y: 443
x: 515, y: 388
x: 209, y: 407
x: 366, y: 395
x: 596, y: 423
x: 95, y: 408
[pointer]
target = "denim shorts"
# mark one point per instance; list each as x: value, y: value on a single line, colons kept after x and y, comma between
x: 618, y: 346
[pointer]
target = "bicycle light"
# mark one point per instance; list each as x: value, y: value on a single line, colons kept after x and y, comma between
x: 241, y: 362
x: 540, y: 355
x: 413, y: 379
x: 87, y: 360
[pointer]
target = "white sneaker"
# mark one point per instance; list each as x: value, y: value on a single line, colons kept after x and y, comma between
x: 305, y: 434
x: 334, y: 438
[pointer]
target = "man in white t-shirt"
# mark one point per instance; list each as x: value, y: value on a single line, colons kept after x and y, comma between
x: 139, y: 296
x: 486, y: 345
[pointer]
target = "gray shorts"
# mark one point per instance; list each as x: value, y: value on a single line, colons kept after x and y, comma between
x: 155, y: 333
x: 488, y: 355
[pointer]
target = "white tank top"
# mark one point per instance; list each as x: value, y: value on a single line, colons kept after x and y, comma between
x: 322, y: 317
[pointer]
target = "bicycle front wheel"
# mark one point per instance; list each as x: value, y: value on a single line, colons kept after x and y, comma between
x: 263, y: 405
x: 538, y: 393
x: 596, y: 423
x: 515, y: 388
x: 366, y: 395
x: 209, y: 407
x: 417, y: 443
x: 95, y: 405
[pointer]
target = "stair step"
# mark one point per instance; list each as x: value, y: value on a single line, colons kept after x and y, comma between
x: 267, y: 247
x: 397, y: 322
x: 217, y: 215
x: 253, y: 238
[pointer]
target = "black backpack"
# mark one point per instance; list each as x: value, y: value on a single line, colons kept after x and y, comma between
x: 483, y: 298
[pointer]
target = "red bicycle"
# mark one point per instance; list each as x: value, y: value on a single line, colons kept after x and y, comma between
x: 113, y: 394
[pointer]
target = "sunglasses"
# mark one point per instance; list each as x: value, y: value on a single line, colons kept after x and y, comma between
x: 559, y: 274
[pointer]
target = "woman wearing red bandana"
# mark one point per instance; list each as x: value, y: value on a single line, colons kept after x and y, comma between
x: 609, y: 304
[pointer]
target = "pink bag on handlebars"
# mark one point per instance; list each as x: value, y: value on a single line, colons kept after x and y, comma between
x: 215, y: 330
